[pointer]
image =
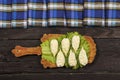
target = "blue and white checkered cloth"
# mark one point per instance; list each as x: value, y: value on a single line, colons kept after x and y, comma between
x: 37, y: 13
x: 56, y: 13
x: 19, y: 13
x: 74, y: 12
x: 112, y: 13
x: 66, y: 13
x: 94, y: 13
x: 5, y: 13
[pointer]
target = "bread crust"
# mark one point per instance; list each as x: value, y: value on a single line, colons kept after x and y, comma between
x: 49, y: 36
x: 92, y: 52
x: 91, y: 42
x: 47, y: 64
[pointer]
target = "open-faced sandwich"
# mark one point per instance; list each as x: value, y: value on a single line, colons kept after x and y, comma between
x: 62, y: 50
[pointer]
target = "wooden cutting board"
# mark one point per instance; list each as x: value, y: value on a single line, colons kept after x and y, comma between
x: 105, y: 67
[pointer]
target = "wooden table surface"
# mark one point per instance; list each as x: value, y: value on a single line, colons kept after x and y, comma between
x: 105, y: 67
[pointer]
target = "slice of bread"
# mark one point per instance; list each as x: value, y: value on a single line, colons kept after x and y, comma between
x: 92, y: 53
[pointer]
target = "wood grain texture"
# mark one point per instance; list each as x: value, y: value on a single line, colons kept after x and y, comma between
x: 105, y: 67
x: 107, y: 59
x: 36, y: 33
x: 60, y: 76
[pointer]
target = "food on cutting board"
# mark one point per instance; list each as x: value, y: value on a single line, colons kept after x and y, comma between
x: 62, y: 50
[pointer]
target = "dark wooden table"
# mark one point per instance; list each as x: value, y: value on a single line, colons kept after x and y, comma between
x: 105, y: 67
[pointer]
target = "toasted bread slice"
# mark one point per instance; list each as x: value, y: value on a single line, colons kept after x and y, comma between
x: 92, y: 52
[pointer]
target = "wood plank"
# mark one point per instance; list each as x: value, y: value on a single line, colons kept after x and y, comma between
x: 61, y: 76
x: 107, y: 59
x: 36, y: 33
x: 7, y: 45
x: 103, y: 32
x: 32, y: 33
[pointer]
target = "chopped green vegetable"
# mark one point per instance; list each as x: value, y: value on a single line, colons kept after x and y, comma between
x: 85, y: 45
x: 49, y: 58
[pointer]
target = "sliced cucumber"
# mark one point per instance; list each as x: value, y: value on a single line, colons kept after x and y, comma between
x: 75, y: 42
x: 60, y: 59
x: 72, y: 59
x: 65, y: 44
x: 83, y: 59
x: 54, y: 46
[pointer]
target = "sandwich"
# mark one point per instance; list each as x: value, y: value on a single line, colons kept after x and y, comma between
x: 71, y: 50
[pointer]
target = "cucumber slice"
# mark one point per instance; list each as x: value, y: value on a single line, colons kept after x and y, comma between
x: 83, y: 59
x: 75, y: 42
x: 72, y: 59
x: 65, y: 44
x: 54, y: 46
x: 60, y: 59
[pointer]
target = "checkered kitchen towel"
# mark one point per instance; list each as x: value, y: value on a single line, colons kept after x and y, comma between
x: 37, y: 13
x: 94, y: 12
x: 56, y: 13
x: 112, y: 13
x: 74, y: 12
x: 19, y: 13
x: 5, y: 13
x: 67, y: 13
